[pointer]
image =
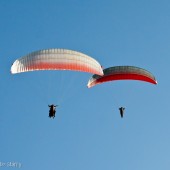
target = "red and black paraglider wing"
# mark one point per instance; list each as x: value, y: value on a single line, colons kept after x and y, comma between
x: 122, y: 73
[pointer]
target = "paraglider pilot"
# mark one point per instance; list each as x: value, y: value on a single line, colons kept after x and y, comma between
x: 121, y: 111
x: 52, y: 110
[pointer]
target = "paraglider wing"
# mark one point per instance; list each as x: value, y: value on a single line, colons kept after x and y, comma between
x: 57, y: 59
x: 122, y: 73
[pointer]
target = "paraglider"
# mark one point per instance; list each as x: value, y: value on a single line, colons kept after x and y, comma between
x: 122, y: 73
x: 56, y: 59
x: 52, y: 110
x: 121, y: 109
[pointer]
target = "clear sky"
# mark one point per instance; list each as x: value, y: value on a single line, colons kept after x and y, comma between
x: 88, y: 132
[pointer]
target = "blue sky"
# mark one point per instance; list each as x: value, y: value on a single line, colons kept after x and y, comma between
x: 87, y: 132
